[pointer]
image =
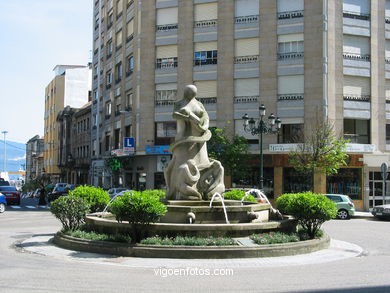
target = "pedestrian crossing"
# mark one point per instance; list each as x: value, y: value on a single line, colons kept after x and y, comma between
x: 27, y: 207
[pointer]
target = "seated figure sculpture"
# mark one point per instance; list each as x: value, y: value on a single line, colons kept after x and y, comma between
x: 191, y: 175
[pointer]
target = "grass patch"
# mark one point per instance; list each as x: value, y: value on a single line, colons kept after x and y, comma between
x: 189, y: 241
x: 90, y: 235
x: 280, y: 237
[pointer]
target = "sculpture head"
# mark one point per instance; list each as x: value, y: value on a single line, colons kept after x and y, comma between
x: 190, y: 92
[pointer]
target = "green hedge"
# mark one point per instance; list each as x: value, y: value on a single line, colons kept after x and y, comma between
x: 238, y: 195
x: 98, y: 236
x: 189, y: 241
x: 70, y: 210
x: 311, y: 210
x: 274, y: 237
x: 95, y: 197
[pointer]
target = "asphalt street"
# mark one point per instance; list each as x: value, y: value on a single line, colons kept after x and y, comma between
x: 22, y: 271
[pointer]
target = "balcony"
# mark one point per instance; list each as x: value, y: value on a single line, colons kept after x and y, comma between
x: 356, y: 15
x: 206, y: 23
x: 290, y: 97
x: 167, y: 27
x: 357, y: 57
x: 206, y: 61
x: 290, y: 14
x: 246, y: 19
x: 246, y: 59
x: 290, y: 55
x: 357, y: 98
x: 166, y: 63
x: 163, y: 103
x: 245, y: 99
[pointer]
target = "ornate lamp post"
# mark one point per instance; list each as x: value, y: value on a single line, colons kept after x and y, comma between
x: 262, y: 127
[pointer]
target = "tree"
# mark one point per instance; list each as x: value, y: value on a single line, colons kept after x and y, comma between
x: 231, y: 151
x: 322, y: 150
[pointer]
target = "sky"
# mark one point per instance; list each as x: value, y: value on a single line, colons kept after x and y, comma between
x: 35, y: 36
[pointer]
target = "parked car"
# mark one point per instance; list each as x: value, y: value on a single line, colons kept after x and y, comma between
x: 60, y: 189
x: 345, y: 206
x: 114, y: 191
x: 12, y: 195
x: 381, y: 212
x: 3, y: 182
x: 3, y: 203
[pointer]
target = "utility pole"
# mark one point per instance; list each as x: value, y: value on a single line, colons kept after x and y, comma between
x: 5, y: 152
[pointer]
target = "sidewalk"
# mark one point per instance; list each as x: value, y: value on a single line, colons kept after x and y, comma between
x: 362, y: 215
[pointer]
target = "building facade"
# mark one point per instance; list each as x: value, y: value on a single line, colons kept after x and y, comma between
x: 304, y: 60
x: 70, y: 87
x: 34, y: 158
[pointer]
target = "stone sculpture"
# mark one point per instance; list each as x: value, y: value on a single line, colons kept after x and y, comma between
x: 191, y: 175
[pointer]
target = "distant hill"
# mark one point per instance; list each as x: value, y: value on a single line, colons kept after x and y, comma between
x: 16, y: 156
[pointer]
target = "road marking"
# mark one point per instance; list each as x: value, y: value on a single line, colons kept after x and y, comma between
x: 31, y: 207
x: 15, y: 207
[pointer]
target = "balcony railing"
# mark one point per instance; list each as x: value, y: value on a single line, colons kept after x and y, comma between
x: 166, y: 27
x: 290, y: 55
x: 359, y: 98
x: 387, y: 20
x: 356, y: 15
x: 357, y: 138
x: 166, y: 63
x: 357, y: 57
x: 246, y: 59
x: 129, y: 38
x: 160, y: 103
x: 245, y: 99
x: 246, y: 19
x: 206, y: 61
x: 290, y: 97
x: 206, y: 23
x: 290, y: 14
x: 207, y: 100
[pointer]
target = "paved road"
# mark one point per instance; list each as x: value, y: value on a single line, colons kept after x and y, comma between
x: 22, y: 271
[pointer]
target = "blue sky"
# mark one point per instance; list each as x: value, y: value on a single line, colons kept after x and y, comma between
x: 36, y: 35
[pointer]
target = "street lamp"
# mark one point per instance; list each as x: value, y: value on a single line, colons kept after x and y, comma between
x: 262, y: 127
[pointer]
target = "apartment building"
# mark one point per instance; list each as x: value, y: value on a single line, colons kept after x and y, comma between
x: 34, y: 158
x: 302, y: 59
x: 70, y: 87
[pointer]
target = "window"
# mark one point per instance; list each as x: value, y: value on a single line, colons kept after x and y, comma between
x: 205, y: 57
x: 165, y: 97
x: 117, y: 106
x: 291, y: 87
x: 347, y: 181
x: 109, y: 48
x: 129, y: 30
x: 128, y: 131
x: 296, y: 182
x: 129, y: 101
x: 107, y: 141
x: 246, y: 87
x: 166, y: 56
x: 167, y: 19
x: 356, y: 88
x: 291, y: 133
x: 118, y: 72
x: 357, y: 131
x: 117, y: 138
x: 356, y: 47
x: 290, y: 46
x: 118, y: 39
x: 129, y: 65
x: 246, y: 50
x: 110, y: 19
x: 108, y: 79
x: 108, y: 110
x: 165, y: 132
x: 206, y: 14
x: 119, y: 8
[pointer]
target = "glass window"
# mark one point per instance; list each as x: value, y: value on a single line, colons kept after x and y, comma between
x: 291, y: 133
x: 130, y: 65
x: 205, y: 57
x: 118, y: 71
x: 387, y: 133
x: 357, y: 131
x: 347, y: 181
x: 294, y: 181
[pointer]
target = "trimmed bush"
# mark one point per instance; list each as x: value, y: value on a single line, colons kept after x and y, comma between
x: 311, y: 210
x: 238, y: 195
x: 274, y: 237
x: 70, y: 210
x: 189, y: 241
x: 98, y: 236
x: 155, y: 192
x: 139, y: 209
x: 96, y: 197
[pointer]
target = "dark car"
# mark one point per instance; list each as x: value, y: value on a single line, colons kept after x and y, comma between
x: 12, y: 195
x: 60, y: 189
x: 3, y: 182
x: 381, y: 212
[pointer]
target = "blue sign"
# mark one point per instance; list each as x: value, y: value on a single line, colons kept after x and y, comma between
x: 129, y: 144
x: 157, y: 150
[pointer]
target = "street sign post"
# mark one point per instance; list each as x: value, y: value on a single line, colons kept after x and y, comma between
x: 384, y: 168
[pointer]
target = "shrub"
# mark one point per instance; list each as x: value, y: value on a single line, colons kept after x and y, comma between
x: 96, y: 197
x: 98, y: 236
x: 70, y: 210
x: 189, y: 241
x: 155, y: 192
x: 274, y: 237
x: 139, y: 209
x: 309, y: 209
x: 238, y: 195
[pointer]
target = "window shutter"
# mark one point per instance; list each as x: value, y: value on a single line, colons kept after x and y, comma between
x: 205, y: 46
x: 166, y: 51
x: 119, y: 7
x: 246, y: 87
x: 167, y: 15
x: 118, y: 38
x: 387, y: 88
x: 354, y: 85
x: 247, y: 47
x: 166, y: 86
x: 290, y: 5
x: 206, y: 11
x: 356, y: 45
x: 291, y: 84
x: 387, y: 49
x: 290, y: 38
x: 357, y: 6
x: 246, y: 7
x: 206, y: 89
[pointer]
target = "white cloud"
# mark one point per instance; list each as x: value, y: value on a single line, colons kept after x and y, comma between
x: 18, y: 158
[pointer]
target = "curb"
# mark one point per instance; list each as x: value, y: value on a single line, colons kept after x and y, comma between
x: 191, y: 252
